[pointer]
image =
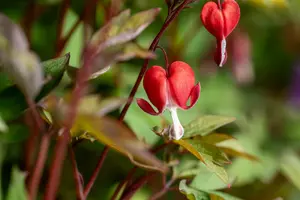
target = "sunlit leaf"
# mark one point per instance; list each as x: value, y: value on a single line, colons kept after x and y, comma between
x: 205, y: 124
x: 210, y: 155
x: 290, y: 167
x: 17, y: 188
x: 21, y: 65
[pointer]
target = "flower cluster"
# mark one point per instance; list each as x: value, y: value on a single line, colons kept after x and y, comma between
x: 171, y: 88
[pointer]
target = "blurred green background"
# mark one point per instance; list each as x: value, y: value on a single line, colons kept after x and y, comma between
x: 259, y: 85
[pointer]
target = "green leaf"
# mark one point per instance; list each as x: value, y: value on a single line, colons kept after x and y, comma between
x: 290, y: 167
x: 5, y: 82
x: 233, y: 148
x: 21, y: 65
x: 122, y: 28
x: 54, y: 70
x: 2, y: 156
x: 216, y: 195
x: 12, y: 103
x: 113, y: 42
x: 210, y: 155
x: 205, y: 125
x: 188, y: 167
x: 17, y: 188
x: 3, y: 126
x: 191, y: 193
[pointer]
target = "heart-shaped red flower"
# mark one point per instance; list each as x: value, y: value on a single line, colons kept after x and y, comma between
x: 220, y: 22
x: 170, y: 90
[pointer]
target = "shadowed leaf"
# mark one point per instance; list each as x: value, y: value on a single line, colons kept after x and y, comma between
x: 21, y: 65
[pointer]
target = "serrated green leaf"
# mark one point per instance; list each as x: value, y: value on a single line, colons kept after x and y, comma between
x: 205, y: 124
x: 209, y: 155
x: 17, y: 188
x: 54, y: 70
x: 191, y: 193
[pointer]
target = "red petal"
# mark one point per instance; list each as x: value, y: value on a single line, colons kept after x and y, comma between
x: 220, y: 54
x: 155, y: 85
x: 212, y: 19
x: 181, y: 82
x: 195, y: 94
x: 220, y: 22
x: 231, y: 12
x: 146, y: 107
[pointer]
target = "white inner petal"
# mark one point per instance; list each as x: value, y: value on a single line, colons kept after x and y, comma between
x: 223, y: 52
x: 176, y: 132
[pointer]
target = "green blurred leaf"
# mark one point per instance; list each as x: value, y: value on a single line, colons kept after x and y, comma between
x: 120, y: 138
x: 16, y: 133
x: 216, y: 195
x: 188, y: 167
x: 17, y: 188
x: 191, y: 193
x: 3, y: 126
x: 5, y: 82
x: 233, y: 148
x: 205, y: 124
x: 2, y: 156
x: 21, y: 65
x: 290, y: 167
x: 117, y: 53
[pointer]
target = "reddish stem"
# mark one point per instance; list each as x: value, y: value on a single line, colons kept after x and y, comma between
x: 76, y: 173
x: 62, y: 143
x: 121, y: 184
x: 35, y: 177
x: 136, y: 185
x: 165, y: 56
x: 96, y: 171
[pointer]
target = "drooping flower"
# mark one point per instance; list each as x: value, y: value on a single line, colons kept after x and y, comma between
x: 170, y: 89
x: 220, y: 20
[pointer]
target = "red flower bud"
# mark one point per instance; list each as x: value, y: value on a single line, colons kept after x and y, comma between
x: 220, y: 22
x: 170, y: 90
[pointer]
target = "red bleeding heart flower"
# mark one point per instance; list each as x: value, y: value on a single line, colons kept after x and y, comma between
x: 170, y: 89
x: 220, y: 20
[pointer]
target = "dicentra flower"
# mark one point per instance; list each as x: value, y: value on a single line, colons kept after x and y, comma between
x: 220, y: 20
x: 170, y: 89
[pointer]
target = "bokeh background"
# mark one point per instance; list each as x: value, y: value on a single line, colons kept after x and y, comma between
x: 259, y: 85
